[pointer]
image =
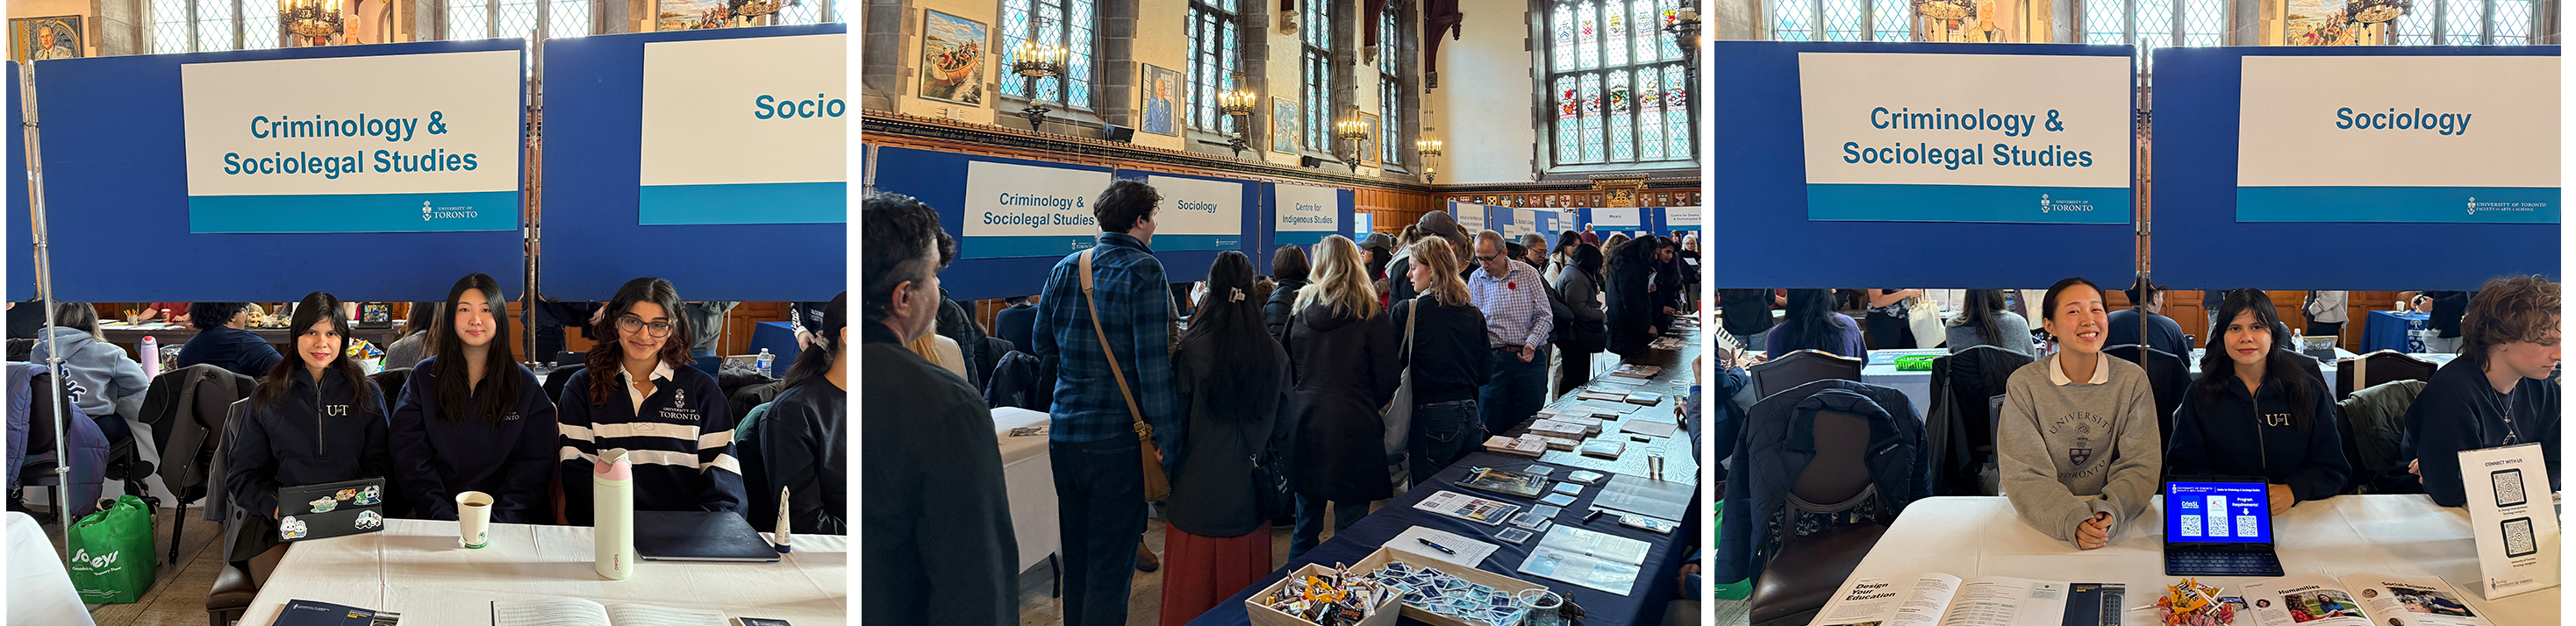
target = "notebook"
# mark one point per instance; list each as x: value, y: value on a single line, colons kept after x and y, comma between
x: 699, y: 536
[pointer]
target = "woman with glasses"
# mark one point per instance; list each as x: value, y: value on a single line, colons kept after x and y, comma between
x: 639, y: 394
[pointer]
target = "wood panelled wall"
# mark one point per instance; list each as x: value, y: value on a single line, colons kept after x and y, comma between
x: 2185, y: 309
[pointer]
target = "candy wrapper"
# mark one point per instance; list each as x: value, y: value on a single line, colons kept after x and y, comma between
x: 2189, y: 603
x: 1432, y: 590
x: 1338, y: 599
x: 360, y: 349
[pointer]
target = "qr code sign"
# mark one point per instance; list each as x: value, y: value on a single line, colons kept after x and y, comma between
x: 2517, y: 537
x: 2191, y: 525
x: 2508, y: 488
x: 2245, y: 526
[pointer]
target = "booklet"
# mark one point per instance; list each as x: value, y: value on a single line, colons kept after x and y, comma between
x: 2359, y: 600
x: 1467, y: 507
x: 1606, y: 562
x: 1505, y: 482
x: 580, y: 612
x: 1937, y: 599
x: 311, y: 613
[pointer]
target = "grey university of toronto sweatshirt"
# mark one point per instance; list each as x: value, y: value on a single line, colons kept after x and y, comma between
x: 2067, y: 449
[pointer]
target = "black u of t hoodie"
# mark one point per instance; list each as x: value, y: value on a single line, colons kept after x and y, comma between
x: 322, y: 433
x: 2254, y: 435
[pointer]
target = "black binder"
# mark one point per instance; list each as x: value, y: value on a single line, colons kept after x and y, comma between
x: 699, y: 536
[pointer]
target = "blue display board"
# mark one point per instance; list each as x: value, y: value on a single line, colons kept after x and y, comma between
x: 22, y: 239
x: 2200, y: 242
x: 1344, y: 207
x: 117, y: 198
x: 1764, y: 171
x: 593, y: 239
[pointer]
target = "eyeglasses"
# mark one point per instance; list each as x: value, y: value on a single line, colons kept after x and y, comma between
x: 630, y: 323
x: 1483, y: 258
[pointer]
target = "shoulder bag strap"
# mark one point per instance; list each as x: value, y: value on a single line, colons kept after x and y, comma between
x: 1142, y: 429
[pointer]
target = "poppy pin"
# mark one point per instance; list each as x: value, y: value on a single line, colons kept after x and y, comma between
x: 1514, y: 286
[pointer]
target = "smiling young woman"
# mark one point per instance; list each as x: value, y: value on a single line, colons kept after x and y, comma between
x: 2077, y: 444
x: 473, y: 419
x: 2256, y: 412
x: 640, y: 391
x: 316, y: 418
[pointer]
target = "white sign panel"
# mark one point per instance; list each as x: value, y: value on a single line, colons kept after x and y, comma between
x: 1023, y: 210
x: 1681, y: 217
x: 1471, y: 217
x: 2463, y: 139
x: 390, y: 143
x: 1524, y: 221
x: 1618, y: 218
x: 2513, y: 517
x: 1303, y: 215
x: 1197, y: 214
x: 1966, y: 137
x: 726, y: 140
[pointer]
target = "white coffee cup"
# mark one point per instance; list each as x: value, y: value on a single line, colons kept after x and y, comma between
x: 473, y: 519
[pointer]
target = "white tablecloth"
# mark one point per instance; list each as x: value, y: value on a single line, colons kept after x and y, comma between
x: 2389, y: 534
x: 40, y: 590
x: 413, y: 567
x: 1028, y: 480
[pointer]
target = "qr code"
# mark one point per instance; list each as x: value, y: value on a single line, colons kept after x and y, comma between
x: 2508, y: 488
x: 2245, y: 527
x: 2218, y: 523
x: 2517, y: 537
x: 2191, y: 525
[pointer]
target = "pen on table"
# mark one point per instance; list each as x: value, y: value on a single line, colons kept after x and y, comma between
x: 1443, y: 549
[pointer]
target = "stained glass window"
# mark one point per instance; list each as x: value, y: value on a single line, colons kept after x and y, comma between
x: 1064, y: 23
x: 1841, y: 20
x: 168, y: 24
x: 484, y: 19
x: 2415, y: 28
x: 2467, y: 23
x: 2463, y: 22
x: 811, y: 12
x: 1214, y: 33
x: 1615, y: 83
x: 1316, y: 31
x: 2154, y: 24
x: 2204, y: 23
x: 1390, y: 88
x: 215, y: 26
x: 2512, y: 23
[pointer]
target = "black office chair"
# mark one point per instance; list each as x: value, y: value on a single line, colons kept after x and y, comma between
x: 1803, y: 576
x: 233, y: 591
x: 2385, y: 366
x: 2168, y: 377
x: 1802, y: 367
x: 391, y: 383
x: 554, y: 384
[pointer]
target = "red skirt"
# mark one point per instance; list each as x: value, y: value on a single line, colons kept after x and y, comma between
x: 1201, y: 572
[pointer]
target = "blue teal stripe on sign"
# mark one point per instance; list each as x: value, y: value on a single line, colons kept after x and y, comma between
x: 747, y: 203
x: 1176, y: 243
x: 355, y: 213
x: 1300, y: 237
x: 1967, y: 203
x: 1005, y: 247
x: 2443, y: 205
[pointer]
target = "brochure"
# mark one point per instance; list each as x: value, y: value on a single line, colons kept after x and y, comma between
x: 1505, y: 482
x: 1937, y: 599
x: 1606, y: 562
x: 2359, y: 600
x: 1467, y: 507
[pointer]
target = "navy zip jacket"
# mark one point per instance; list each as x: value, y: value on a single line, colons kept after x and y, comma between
x: 2460, y: 411
x: 510, y: 461
x: 1779, y: 442
x: 681, y: 446
x: 241, y: 351
x: 310, y: 436
x: 2244, y: 436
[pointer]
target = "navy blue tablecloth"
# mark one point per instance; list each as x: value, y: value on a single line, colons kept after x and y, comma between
x: 1644, y: 604
x: 2387, y: 330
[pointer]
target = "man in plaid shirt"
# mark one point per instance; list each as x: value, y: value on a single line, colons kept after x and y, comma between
x: 1517, y: 321
x: 1099, y: 477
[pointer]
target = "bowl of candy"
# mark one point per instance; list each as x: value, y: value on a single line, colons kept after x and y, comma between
x: 1324, y: 596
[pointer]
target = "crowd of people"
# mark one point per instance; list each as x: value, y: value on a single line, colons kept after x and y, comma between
x: 1237, y: 402
x: 469, y: 417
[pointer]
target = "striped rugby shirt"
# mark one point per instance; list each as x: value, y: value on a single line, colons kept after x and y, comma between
x: 680, y: 440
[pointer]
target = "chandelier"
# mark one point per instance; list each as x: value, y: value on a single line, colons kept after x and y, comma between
x: 1945, y: 10
x: 2376, y: 11
x: 757, y: 8
x: 310, y: 18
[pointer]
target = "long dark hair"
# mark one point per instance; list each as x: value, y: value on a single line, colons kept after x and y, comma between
x: 1232, y: 327
x: 424, y: 316
x: 1979, y: 312
x: 1565, y: 241
x: 607, y: 356
x: 314, y: 309
x: 818, y: 356
x: 1587, y: 259
x: 1810, y: 322
x: 2279, y: 368
x: 500, y: 374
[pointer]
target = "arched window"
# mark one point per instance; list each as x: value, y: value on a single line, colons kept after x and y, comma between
x: 1390, y: 88
x: 1064, y: 23
x: 1618, y: 92
x: 1215, y: 33
x: 1315, y: 67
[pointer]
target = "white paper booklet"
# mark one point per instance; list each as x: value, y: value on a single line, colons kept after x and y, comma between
x: 1937, y: 599
x: 580, y: 612
x: 2359, y: 600
x: 1601, y: 561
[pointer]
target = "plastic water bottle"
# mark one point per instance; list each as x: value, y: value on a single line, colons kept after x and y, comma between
x: 762, y: 363
x: 151, y: 353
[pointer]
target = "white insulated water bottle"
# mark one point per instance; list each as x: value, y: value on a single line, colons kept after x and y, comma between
x: 151, y: 353
x: 612, y: 509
